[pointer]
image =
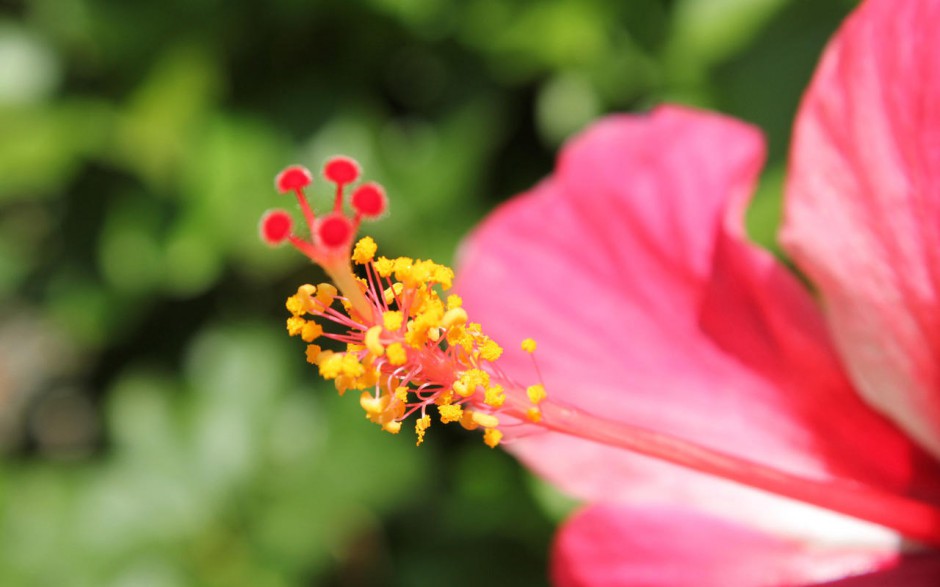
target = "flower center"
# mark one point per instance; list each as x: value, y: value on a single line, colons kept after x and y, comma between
x: 407, y: 348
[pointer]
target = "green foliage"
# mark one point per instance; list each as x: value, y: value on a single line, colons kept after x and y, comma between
x: 157, y: 426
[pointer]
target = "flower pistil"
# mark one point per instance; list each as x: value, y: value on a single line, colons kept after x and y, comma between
x: 408, y: 349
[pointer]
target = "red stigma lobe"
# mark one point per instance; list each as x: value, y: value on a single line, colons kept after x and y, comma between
x: 341, y: 170
x: 295, y: 177
x: 275, y: 227
x: 335, y: 231
x: 369, y: 200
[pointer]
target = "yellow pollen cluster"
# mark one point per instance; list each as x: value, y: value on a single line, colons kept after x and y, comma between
x: 392, y: 320
x: 495, y: 396
x: 492, y: 437
x: 450, y: 413
x: 364, y: 251
x: 408, y: 350
x: 536, y: 393
x: 396, y: 354
x: 470, y: 380
x: 421, y: 426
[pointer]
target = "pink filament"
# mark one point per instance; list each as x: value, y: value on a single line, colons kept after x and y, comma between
x: 912, y: 518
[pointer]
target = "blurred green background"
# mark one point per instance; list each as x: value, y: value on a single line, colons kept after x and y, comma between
x: 157, y: 426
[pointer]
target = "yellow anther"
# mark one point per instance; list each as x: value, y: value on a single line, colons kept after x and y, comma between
x: 450, y: 413
x: 401, y: 394
x: 296, y: 305
x: 533, y: 415
x: 454, y: 316
x: 470, y: 380
x: 397, y: 410
x: 458, y: 336
x: 368, y: 379
x: 384, y: 266
x: 434, y: 334
x: 393, y: 427
x: 331, y: 365
x: 420, y: 273
x: 313, y: 351
x: 494, y: 396
x: 433, y: 307
x: 492, y: 437
x: 392, y: 292
x: 528, y: 345
x: 295, y: 325
x: 396, y: 354
x: 380, y: 409
x: 364, y: 250
x: 424, y: 272
x: 311, y: 331
x: 454, y: 301
x: 352, y: 347
x: 421, y: 426
x: 490, y: 351
x: 402, y: 267
x: 443, y: 275
x: 341, y: 383
x: 372, y: 341
x: 326, y: 293
x: 467, y: 420
x: 392, y: 320
x: 536, y: 393
x: 445, y: 399
x: 373, y: 405
x: 418, y: 329
x: 351, y: 367
x: 485, y: 420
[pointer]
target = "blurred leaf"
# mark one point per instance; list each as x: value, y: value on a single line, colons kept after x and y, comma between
x: 226, y: 181
x: 35, y: 503
x: 142, y: 418
x: 527, y: 37
x: 566, y: 104
x: 23, y: 228
x: 29, y: 69
x: 192, y: 263
x: 763, y: 84
x: 41, y: 147
x: 130, y: 252
x: 165, y: 109
x: 236, y: 375
x: 84, y: 308
x: 709, y: 31
x: 429, y: 18
x: 764, y: 213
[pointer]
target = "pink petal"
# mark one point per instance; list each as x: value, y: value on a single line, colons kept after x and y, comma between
x: 863, y: 205
x: 610, y: 546
x: 629, y: 269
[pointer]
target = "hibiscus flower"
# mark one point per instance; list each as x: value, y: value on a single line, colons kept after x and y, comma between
x: 653, y: 312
